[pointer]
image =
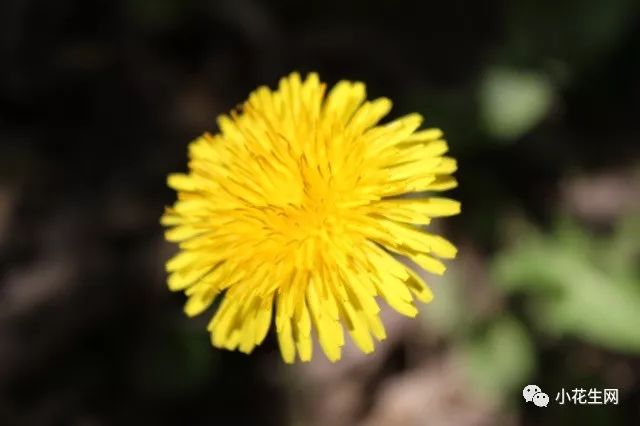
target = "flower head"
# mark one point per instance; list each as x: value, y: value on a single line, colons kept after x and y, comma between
x: 297, y: 208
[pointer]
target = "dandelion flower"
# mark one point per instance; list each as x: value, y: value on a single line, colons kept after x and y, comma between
x: 298, y: 209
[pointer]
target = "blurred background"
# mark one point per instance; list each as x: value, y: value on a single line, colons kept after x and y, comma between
x: 539, y: 99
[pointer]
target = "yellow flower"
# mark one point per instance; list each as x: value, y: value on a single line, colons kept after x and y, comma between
x: 297, y: 206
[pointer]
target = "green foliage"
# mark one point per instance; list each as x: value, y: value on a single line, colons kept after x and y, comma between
x: 447, y: 316
x: 512, y: 102
x: 578, y: 284
x: 499, y: 358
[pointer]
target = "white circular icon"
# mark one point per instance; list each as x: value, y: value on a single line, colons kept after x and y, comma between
x: 529, y: 391
x: 541, y: 399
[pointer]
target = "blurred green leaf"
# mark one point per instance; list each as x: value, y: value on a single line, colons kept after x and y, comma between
x: 447, y: 316
x: 500, y: 358
x: 573, y: 289
x: 513, y: 102
x: 621, y: 252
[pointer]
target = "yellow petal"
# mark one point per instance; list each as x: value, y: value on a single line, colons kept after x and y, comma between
x: 198, y: 303
x: 419, y: 287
